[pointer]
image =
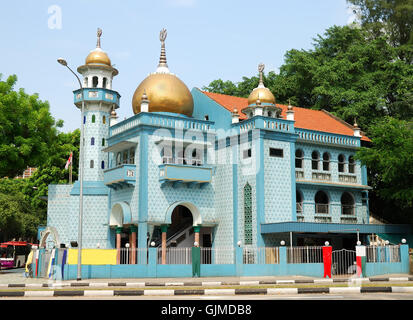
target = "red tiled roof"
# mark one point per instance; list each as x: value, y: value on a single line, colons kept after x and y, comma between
x: 304, y: 118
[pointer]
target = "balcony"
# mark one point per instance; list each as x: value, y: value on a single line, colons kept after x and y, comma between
x: 96, y: 94
x: 120, y: 177
x: 191, y: 172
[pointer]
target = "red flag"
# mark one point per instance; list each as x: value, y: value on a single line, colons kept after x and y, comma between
x: 69, y: 161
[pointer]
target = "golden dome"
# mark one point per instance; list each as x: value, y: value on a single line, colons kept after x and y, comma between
x: 261, y: 92
x: 98, y: 56
x: 166, y: 93
x: 164, y: 90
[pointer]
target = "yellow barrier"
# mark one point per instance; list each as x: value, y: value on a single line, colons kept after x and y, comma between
x: 93, y: 256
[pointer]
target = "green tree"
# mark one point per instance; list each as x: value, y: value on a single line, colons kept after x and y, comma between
x: 27, y: 129
x: 391, y: 17
x: 17, y: 220
x: 348, y: 75
x: 52, y: 171
x: 390, y: 160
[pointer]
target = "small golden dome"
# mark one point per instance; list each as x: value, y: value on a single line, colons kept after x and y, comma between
x: 261, y: 92
x: 166, y: 93
x: 98, y: 56
x: 164, y: 90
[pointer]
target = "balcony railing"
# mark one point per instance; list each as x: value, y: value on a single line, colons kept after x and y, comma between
x: 347, y: 178
x: 348, y: 209
x: 97, y: 94
x: 182, y: 161
x: 299, y: 174
x: 327, y: 138
x: 299, y: 207
x: 321, y: 208
x: 321, y: 176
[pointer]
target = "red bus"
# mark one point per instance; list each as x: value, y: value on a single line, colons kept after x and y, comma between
x: 13, y: 254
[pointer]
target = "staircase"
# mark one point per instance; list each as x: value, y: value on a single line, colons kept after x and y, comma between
x: 177, y: 236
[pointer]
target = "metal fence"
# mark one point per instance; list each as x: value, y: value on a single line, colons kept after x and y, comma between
x: 175, y: 255
x: 133, y: 256
x: 305, y: 255
x: 208, y: 255
x: 253, y: 255
x: 381, y: 254
x: 220, y: 255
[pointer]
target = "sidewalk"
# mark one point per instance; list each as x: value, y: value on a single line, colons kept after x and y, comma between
x: 16, y: 278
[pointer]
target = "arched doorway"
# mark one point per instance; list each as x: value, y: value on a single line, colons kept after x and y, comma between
x: 179, y: 229
x: 184, y: 227
x: 52, y: 241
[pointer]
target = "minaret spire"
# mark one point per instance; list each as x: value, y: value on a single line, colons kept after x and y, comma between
x: 162, y: 66
x: 99, y: 34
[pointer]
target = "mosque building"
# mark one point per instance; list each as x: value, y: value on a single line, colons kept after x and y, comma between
x: 222, y: 171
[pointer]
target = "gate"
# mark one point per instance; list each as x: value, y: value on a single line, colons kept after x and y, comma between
x: 343, y: 262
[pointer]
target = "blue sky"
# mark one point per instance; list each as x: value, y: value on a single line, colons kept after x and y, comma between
x: 207, y: 40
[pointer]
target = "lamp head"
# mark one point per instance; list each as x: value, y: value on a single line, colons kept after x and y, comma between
x: 62, y: 62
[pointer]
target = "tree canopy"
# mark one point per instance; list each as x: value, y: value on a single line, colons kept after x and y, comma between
x: 29, y: 138
x: 27, y: 129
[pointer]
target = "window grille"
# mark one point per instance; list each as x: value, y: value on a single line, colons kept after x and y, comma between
x: 247, y: 215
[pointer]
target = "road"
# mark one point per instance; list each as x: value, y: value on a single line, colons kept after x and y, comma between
x: 364, y: 296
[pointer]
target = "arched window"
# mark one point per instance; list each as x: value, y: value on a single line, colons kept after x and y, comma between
x: 269, y: 114
x: 118, y: 159
x: 315, y: 159
x: 347, y: 204
x: 94, y: 82
x: 92, y: 164
x: 85, y: 83
x: 321, y: 202
x: 104, y: 119
x: 351, y: 164
x: 125, y: 157
x: 326, y: 161
x: 247, y: 214
x: 103, y: 165
x: 299, y: 157
x: 299, y: 201
x: 103, y: 142
x: 341, y: 163
x: 93, y: 118
x: 92, y: 141
x: 84, y: 119
x: 104, y: 82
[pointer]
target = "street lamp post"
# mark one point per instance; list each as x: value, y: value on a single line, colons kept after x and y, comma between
x: 79, y: 262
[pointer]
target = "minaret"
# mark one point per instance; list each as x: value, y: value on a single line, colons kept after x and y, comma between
x: 100, y: 101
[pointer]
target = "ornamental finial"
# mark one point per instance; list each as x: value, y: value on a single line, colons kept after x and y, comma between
x: 162, y: 59
x: 261, y: 68
x: 99, y: 34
